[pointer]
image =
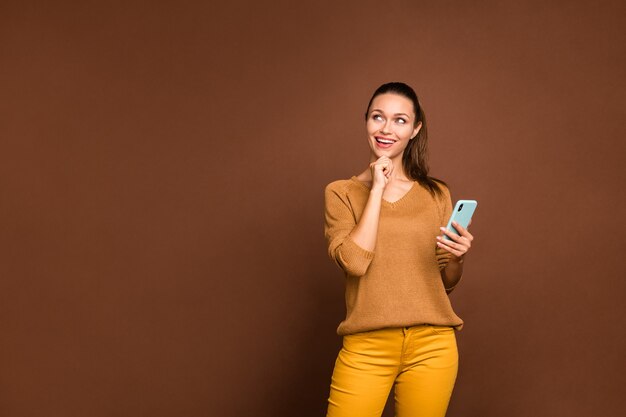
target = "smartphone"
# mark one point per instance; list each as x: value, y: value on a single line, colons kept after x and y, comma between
x: 462, y: 214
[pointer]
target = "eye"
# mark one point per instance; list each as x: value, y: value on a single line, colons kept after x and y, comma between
x: 377, y: 117
x: 401, y: 121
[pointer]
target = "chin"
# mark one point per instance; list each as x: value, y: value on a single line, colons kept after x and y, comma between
x: 385, y: 152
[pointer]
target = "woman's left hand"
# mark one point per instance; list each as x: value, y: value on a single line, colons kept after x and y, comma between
x: 459, y: 244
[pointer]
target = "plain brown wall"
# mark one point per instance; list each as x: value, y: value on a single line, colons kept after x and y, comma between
x: 162, y: 168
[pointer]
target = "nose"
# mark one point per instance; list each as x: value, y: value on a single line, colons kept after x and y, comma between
x: 385, y: 128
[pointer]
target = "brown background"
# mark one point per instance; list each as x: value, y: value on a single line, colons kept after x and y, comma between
x: 162, y: 170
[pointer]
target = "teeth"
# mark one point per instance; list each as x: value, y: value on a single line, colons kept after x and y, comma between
x: 385, y: 141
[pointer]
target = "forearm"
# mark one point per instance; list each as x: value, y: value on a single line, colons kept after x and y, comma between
x: 451, y: 274
x: 366, y: 230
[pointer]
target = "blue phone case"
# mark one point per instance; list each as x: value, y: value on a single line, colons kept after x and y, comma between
x: 462, y: 213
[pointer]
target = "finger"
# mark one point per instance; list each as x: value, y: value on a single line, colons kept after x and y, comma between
x: 463, y: 231
x: 385, y: 168
x: 448, y: 246
x: 384, y: 160
x: 458, y: 227
x: 381, y: 160
x: 450, y: 249
x: 378, y: 172
x: 462, y: 245
x: 449, y: 233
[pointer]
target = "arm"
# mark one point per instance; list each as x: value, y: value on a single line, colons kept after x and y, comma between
x: 451, y: 274
x: 451, y: 253
x: 339, y: 223
x: 458, y: 248
x: 352, y: 244
x: 366, y: 231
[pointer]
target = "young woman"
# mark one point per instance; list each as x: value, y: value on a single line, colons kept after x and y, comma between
x: 384, y: 229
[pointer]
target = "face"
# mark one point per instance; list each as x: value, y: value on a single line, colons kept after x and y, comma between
x: 390, y: 125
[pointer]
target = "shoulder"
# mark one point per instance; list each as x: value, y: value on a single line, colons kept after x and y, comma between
x: 345, y: 193
x: 440, y: 183
x: 341, y: 187
x: 443, y: 187
x: 442, y: 198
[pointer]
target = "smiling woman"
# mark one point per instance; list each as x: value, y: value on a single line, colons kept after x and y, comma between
x: 383, y: 228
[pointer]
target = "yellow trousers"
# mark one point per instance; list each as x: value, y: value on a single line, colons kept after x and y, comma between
x: 422, y: 362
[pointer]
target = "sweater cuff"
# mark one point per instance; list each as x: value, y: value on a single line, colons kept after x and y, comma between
x: 354, y: 259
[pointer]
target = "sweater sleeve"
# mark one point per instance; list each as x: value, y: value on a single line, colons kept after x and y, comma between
x: 339, y: 222
x: 443, y: 256
x: 445, y: 210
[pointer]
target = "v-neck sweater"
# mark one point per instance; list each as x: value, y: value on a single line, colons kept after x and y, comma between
x: 398, y: 284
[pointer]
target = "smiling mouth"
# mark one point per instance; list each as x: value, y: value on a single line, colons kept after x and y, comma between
x: 384, y: 141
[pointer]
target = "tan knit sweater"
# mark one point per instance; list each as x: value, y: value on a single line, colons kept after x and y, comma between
x: 399, y: 284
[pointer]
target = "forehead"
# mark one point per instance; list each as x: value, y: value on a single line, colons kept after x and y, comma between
x: 392, y: 103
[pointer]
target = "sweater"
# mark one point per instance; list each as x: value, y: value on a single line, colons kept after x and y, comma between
x: 399, y: 283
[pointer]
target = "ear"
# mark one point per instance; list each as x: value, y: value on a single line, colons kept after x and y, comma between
x: 416, y: 130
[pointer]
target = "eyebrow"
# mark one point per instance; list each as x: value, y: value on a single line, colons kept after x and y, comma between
x: 396, y: 114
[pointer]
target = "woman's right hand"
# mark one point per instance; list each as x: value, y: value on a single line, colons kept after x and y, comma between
x: 381, y: 172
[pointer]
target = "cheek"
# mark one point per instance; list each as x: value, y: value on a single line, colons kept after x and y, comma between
x: 406, y: 132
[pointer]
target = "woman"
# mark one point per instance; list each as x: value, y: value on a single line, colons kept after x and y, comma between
x: 383, y: 228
